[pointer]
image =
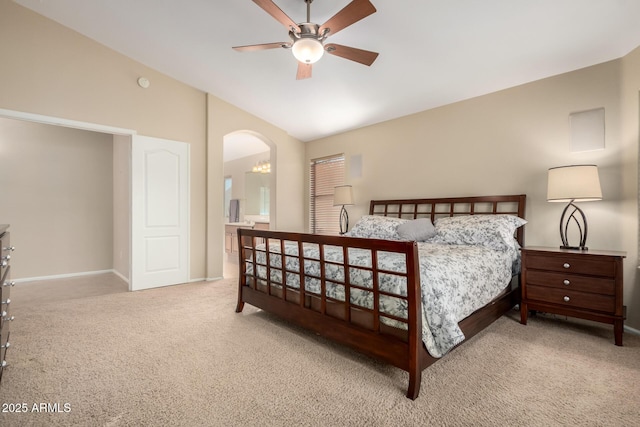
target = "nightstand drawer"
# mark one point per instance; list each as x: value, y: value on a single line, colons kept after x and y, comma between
x: 569, y: 298
x: 582, y: 264
x: 571, y: 282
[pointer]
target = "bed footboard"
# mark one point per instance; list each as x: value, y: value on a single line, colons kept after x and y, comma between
x: 332, y: 300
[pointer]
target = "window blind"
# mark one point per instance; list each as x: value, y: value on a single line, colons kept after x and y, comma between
x: 325, y: 174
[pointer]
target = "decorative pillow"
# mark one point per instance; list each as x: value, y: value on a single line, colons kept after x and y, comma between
x: 492, y: 231
x: 376, y: 227
x: 418, y: 230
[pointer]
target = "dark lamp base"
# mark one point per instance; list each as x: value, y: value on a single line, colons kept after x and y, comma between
x: 580, y: 222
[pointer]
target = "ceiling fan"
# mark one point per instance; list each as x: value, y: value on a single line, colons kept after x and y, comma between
x: 307, y: 38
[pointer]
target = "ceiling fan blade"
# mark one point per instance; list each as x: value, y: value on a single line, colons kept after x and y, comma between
x: 272, y: 9
x: 365, y: 57
x: 350, y: 14
x: 254, y: 47
x: 304, y: 71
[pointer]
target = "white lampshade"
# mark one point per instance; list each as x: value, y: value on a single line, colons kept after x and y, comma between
x: 577, y: 182
x: 307, y: 50
x: 342, y: 195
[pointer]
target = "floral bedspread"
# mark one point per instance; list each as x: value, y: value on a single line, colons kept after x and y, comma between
x: 455, y: 281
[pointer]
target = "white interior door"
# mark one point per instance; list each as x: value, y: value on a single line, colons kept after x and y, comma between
x: 160, y: 212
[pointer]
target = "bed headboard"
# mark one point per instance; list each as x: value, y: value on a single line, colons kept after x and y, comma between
x: 452, y: 206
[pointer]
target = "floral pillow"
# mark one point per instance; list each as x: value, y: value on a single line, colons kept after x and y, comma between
x: 492, y: 231
x: 377, y: 227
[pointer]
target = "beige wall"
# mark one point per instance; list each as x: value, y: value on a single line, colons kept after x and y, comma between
x: 51, y: 177
x: 50, y: 70
x: 503, y: 143
x: 121, y: 205
x: 630, y: 101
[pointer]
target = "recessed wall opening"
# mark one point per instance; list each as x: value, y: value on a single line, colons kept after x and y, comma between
x: 65, y: 190
x: 249, y: 171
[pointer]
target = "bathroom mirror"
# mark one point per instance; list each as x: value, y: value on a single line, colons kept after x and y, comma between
x: 256, y: 193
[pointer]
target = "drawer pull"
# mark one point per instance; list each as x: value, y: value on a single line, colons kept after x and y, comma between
x: 4, y: 263
x: 566, y: 298
x: 4, y: 364
x: 6, y: 257
x: 8, y: 301
x: 12, y: 283
x: 566, y: 265
x: 566, y: 282
x: 7, y: 345
x: 9, y: 248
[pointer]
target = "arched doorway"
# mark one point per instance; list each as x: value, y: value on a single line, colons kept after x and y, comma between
x: 249, y: 189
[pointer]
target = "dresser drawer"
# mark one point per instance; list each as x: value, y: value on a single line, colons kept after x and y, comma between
x: 5, y: 307
x: 572, y: 282
x: 5, y: 252
x: 4, y: 339
x: 4, y: 348
x: 5, y: 282
x: 569, y: 298
x: 5, y: 293
x: 5, y: 317
x: 4, y: 263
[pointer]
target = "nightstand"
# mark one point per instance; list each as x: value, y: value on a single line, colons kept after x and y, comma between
x: 583, y: 284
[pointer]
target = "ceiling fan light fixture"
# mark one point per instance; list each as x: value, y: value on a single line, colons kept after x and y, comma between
x: 307, y: 50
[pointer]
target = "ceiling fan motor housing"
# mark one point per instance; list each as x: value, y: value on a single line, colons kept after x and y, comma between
x: 307, y: 44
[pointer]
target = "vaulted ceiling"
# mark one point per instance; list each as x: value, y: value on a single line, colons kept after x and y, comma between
x: 432, y: 52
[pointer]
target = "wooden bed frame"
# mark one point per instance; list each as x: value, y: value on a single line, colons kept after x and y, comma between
x: 354, y: 325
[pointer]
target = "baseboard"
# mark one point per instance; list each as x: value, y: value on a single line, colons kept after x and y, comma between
x: 91, y: 273
x: 65, y: 276
x: 117, y: 273
x: 632, y: 330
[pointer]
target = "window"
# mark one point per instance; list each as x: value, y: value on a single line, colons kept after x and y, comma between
x: 324, y: 175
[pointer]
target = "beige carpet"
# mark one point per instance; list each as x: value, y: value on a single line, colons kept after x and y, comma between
x: 180, y: 356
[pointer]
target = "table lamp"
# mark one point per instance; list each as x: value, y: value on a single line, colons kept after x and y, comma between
x: 575, y: 183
